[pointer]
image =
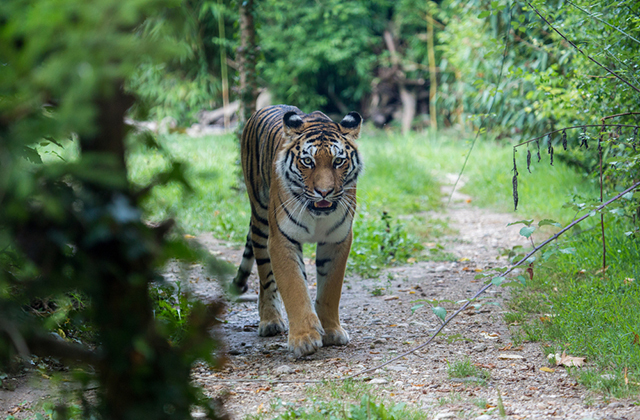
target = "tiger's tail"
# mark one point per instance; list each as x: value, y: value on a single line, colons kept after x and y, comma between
x: 240, y: 280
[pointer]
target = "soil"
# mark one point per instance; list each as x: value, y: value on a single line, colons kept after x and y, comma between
x: 378, y: 315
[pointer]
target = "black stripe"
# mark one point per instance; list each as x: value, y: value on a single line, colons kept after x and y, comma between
x: 259, y: 246
x: 248, y: 252
x: 337, y: 225
x: 258, y: 232
x: 256, y: 216
x: 290, y: 239
x: 301, y: 266
x: 262, y: 261
x: 290, y: 216
x: 293, y: 181
x: 266, y: 286
x: 343, y: 239
x: 321, y: 262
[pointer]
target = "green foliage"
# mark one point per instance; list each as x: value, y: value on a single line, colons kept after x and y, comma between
x: 368, y: 409
x: 71, y: 230
x: 190, y: 81
x: 215, y: 204
x: 465, y: 369
x: 316, y: 50
x: 378, y: 243
x: 171, y: 308
x: 379, y: 239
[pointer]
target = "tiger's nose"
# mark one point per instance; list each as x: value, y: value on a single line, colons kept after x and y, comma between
x: 324, y: 192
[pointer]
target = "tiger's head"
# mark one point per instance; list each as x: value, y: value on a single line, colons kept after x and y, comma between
x: 319, y: 161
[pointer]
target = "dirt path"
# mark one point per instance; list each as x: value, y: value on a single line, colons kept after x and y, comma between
x: 384, y: 326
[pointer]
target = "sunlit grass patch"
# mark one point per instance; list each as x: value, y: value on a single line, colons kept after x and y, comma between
x: 369, y: 408
x: 217, y: 204
x: 340, y: 400
x: 393, y: 185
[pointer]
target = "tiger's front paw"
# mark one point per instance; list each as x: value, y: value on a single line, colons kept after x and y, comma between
x: 305, y: 337
x: 271, y: 328
x: 304, y: 344
x: 335, y: 337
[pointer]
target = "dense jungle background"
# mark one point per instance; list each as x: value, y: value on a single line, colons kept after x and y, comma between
x: 119, y: 123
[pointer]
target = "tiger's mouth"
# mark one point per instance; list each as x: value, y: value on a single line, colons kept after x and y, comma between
x: 323, y: 206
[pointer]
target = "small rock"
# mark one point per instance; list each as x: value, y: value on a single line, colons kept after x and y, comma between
x: 480, y: 347
x: 246, y: 298
x: 616, y: 404
x: 441, y: 269
x: 398, y: 384
x: 234, y: 352
x: 608, y: 377
x: 445, y: 415
x: 484, y: 417
x: 397, y: 368
x: 275, y: 346
x: 198, y: 415
x: 284, y: 370
x: 378, y: 381
x: 379, y: 341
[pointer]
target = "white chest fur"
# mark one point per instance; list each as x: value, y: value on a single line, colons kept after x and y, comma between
x: 309, y: 227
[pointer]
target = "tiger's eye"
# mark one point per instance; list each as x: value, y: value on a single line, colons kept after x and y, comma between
x: 307, y: 161
x: 338, y: 161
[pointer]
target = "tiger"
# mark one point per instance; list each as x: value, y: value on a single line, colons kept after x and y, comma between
x: 300, y: 171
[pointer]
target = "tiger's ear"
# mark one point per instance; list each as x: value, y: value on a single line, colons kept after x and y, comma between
x: 350, y: 125
x: 292, y: 124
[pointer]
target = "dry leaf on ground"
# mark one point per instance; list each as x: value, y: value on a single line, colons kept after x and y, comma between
x: 566, y: 360
x: 510, y: 357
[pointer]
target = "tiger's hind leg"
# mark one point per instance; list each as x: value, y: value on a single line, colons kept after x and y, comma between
x: 239, y: 283
x: 270, y: 305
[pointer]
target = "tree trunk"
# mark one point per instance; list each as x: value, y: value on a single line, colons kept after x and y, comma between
x: 409, y: 103
x: 432, y: 74
x: 247, y: 63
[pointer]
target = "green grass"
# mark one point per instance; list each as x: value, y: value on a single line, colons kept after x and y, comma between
x: 582, y: 313
x: 401, y: 183
x: 465, y: 369
x: 340, y: 400
x: 575, y: 309
x: 368, y: 409
x: 218, y: 202
x: 488, y: 174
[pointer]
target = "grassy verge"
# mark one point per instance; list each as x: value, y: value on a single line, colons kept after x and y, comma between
x: 570, y: 306
x: 346, y: 400
x: 218, y: 202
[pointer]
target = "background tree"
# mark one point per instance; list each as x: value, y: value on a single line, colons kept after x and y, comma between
x: 247, y: 55
x: 76, y: 225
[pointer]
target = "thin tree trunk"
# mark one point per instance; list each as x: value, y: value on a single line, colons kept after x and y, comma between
x: 433, y: 86
x: 223, y: 65
x: 247, y: 63
x: 409, y: 103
